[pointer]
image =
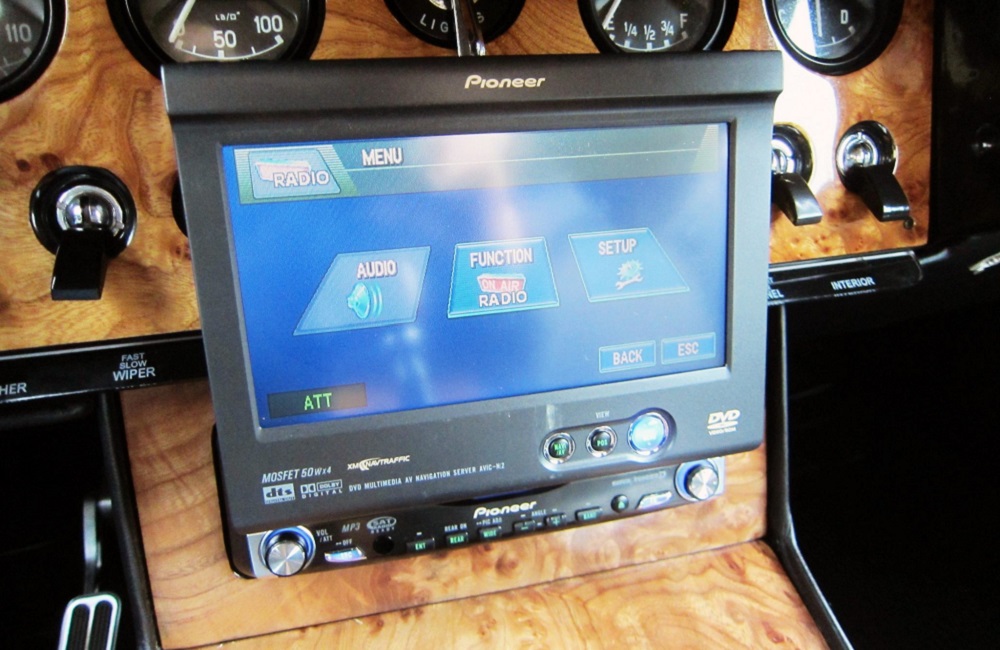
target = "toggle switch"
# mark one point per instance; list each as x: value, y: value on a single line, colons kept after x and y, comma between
x: 866, y: 160
x: 791, y: 167
x: 85, y: 216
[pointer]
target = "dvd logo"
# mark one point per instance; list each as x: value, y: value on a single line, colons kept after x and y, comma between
x: 723, y: 422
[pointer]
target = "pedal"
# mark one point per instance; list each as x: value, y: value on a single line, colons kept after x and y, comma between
x: 90, y: 623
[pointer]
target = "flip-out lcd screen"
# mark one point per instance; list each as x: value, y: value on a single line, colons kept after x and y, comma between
x: 387, y: 275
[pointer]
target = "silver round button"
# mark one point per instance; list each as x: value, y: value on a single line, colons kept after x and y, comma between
x: 702, y: 482
x: 286, y: 552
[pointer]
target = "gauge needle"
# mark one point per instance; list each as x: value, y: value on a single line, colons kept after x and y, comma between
x: 608, y: 17
x: 181, y: 19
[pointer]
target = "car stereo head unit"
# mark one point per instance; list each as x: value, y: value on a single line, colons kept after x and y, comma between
x: 454, y: 300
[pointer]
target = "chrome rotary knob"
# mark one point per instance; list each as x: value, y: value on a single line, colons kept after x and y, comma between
x: 286, y: 552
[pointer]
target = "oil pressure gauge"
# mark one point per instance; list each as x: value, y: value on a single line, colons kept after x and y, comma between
x: 647, y: 26
x: 186, y: 31
x: 834, y: 36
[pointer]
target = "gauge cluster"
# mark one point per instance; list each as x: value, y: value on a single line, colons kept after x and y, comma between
x: 79, y: 88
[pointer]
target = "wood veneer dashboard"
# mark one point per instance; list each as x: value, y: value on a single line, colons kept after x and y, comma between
x: 96, y: 105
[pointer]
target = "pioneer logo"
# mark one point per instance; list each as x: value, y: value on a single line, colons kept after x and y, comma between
x: 368, y: 463
x: 475, y: 81
x: 504, y: 510
x: 723, y: 422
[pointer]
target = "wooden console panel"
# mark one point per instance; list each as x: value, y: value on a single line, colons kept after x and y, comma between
x: 694, y: 570
x: 95, y: 105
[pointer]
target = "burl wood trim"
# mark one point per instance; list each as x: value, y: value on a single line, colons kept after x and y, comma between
x: 736, y: 597
x: 199, y: 600
x: 895, y: 90
x: 95, y: 105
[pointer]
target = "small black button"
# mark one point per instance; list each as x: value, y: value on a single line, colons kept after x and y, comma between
x: 589, y: 514
x: 619, y: 503
x: 554, y: 521
x: 601, y: 442
x: 525, y: 526
x: 559, y: 447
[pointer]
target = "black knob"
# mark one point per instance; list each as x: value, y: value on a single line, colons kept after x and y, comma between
x: 866, y: 160
x: 85, y: 216
x: 791, y: 167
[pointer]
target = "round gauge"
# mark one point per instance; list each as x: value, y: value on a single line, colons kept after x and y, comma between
x: 431, y: 20
x: 29, y: 36
x: 187, y: 31
x: 834, y: 36
x: 658, y: 25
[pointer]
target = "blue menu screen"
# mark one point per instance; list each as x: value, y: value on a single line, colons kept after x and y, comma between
x: 395, y: 274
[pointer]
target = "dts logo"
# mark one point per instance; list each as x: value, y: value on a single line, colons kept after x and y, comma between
x: 721, y: 422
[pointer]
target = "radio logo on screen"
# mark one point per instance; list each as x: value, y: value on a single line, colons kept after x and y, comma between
x: 289, y: 173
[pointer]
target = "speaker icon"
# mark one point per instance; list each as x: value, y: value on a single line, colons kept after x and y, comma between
x: 365, y: 300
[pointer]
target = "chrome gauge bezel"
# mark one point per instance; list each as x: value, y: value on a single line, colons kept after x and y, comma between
x: 720, y: 28
x: 138, y: 38
x: 883, y: 29
x: 41, y: 56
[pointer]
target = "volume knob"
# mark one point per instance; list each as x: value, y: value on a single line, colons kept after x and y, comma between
x: 698, y: 481
x: 287, y: 551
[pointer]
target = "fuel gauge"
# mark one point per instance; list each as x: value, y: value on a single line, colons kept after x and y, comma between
x: 649, y: 26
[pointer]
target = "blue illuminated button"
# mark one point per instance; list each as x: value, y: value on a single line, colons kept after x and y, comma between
x: 687, y: 348
x: 654, y: 500
x: 648, y: 433
x: 369, y: 289
x: 619, y: 264
x: 501, y: 276
x: 346, y: 556
x: 628, y: 356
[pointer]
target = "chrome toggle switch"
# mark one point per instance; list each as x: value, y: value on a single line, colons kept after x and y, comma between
x: 791, y: 167
x: 85, y: 216
x: 866, y: 162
